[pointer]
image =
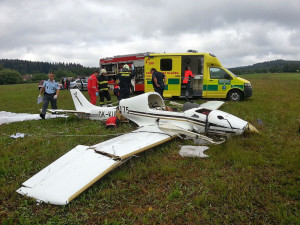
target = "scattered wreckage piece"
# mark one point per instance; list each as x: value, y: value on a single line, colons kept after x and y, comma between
x: 67, y: 177
x: 193, y: 151
x: 17, y: 135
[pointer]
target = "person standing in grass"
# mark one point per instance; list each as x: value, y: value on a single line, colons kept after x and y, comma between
x: 50, y: 90
x: 124, y: 78
x: 188, y: 74
x: 158, y: 81
x: 92, y: 87
x: 103, y: 87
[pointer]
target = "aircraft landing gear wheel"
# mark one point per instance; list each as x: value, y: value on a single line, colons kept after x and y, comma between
x: 235, y: 96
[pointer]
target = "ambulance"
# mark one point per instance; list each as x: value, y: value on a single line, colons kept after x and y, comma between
x: 211, y: 79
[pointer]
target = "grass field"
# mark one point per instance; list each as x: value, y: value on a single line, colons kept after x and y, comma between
x: 247, y: 180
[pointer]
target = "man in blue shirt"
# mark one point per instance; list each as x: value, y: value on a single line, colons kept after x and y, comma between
x: 158, y: 81
x: 50, y: 89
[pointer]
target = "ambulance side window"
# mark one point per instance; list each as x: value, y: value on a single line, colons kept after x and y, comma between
x: 218, y: 73
x: 165, y: 64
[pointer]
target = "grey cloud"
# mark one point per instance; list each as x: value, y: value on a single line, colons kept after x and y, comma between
x: 84, y: 31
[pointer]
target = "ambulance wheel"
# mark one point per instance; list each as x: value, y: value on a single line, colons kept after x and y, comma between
x: 235, y: 96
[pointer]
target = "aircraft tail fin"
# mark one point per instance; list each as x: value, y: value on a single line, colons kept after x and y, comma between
x: 80, y: 101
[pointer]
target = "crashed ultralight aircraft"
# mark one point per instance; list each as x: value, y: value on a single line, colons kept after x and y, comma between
x: 78, y: 169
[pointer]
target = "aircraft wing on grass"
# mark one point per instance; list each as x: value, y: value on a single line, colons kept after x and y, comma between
x: 78, y: 169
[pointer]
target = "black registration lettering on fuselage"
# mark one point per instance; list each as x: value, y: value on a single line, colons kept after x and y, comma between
x: 107, y: 114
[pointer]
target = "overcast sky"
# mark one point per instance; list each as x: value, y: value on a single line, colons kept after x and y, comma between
x: 239, y: 33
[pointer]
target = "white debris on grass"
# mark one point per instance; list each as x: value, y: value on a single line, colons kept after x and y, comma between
x: 17, y: 135
x: 193, y: 151
x: 10, y: 117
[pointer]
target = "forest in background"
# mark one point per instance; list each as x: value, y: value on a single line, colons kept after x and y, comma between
x: 275, y: 66
x: 13, y: 71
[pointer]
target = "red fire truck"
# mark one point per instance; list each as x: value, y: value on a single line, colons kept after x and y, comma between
x: 113, y: 66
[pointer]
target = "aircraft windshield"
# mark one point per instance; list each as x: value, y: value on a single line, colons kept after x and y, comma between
x: 155, y: 101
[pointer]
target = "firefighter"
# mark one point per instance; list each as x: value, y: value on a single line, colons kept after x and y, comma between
x: 93, y: 87
x: 103, y: 87
x: 187, y: 81
x: 124, y: 78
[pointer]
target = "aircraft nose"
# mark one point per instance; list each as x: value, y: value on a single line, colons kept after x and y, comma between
x: 251, y: 129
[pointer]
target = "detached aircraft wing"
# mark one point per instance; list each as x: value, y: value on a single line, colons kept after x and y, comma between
x: 74, y: 172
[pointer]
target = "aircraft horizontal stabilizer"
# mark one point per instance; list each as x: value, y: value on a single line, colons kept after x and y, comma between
x: 66, y: 111
x: 212, y: 105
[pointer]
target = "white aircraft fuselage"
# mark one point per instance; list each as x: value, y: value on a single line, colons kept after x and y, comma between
x: 149, y: 108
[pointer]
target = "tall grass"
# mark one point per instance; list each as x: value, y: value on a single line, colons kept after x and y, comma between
x: 247, y: 180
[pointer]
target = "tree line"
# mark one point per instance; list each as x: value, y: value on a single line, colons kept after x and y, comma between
x: 12, y: 70
x: 275, y: 66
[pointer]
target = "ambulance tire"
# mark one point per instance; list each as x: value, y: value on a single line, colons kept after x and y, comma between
x: 189, y: 105
x: 235, y: 96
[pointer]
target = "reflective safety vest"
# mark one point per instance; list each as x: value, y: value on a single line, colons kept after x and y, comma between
x: 102, y: 83
x: 124, y: 79
x: 187, y: 75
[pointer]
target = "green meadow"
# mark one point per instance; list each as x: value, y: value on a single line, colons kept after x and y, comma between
x: 250, y: 179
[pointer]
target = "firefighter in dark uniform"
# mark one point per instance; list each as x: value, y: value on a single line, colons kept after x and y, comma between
x: 103, y: 87
x: 124, y: 78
